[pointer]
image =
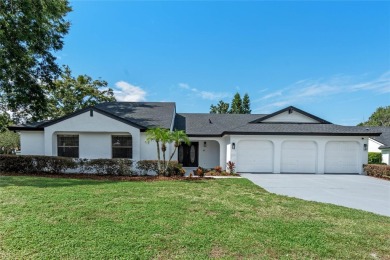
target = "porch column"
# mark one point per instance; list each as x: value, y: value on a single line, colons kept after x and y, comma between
x: 222, y: 154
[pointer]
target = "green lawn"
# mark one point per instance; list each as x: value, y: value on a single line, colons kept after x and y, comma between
x: 230, y: 218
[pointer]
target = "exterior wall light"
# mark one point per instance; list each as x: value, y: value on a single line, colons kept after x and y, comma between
x: 364, y: 147
x: 204, y: 144
x: 233, y: 146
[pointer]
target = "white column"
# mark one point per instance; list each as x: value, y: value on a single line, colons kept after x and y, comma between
x: 277, y: 155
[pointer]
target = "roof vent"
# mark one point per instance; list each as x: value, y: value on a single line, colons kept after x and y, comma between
x: 290, y: 110
x: 210, y: 121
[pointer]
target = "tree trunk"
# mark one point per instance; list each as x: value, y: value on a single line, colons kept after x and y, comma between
x: 158, y: 158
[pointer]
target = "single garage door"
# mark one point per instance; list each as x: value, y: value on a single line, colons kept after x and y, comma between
x: 255, y: 156
x: 299, y: 157
x: 342, y: 157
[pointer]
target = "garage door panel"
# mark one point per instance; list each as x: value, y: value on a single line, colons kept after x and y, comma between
x: 342, y: 157
x: 299, y: 157
x: 255, y: 156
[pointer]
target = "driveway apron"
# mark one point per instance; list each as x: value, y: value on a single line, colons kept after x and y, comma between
x: 353, y: 191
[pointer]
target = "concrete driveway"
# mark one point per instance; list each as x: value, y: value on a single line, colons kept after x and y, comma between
x: 353, y: 191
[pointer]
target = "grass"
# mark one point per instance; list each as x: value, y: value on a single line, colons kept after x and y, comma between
x: 229, y: 218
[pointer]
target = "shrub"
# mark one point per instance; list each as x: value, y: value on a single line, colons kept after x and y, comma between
x: 16, y: 164
x: 35, y: 164
x: 151, y: 166
x: 374, y: 158
x: 108, y: 166
x: 378, y: 170
x: 231, y: 167
x: 218, y: 169
x: 200, y: 171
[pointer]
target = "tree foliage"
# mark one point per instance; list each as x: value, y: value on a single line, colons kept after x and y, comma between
x: 30, y: 32
x: 74, y: 93
x: 220, y: 108
x: 381, y: 117
x: 238, y: 106
x: 246, y: 104
x: 9, y: 141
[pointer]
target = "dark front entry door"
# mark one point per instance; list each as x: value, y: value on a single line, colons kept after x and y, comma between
x: 188, y: 155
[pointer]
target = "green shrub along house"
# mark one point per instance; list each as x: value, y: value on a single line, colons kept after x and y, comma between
x: 287, y: 141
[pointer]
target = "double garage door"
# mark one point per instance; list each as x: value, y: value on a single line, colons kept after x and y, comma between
x: 297, y: 157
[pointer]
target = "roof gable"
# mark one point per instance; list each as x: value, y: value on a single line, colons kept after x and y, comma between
x: 142, y: 115
x: 291, y: 115
x: 384, y: 138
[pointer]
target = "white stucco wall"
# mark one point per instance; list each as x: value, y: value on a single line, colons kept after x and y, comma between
x: 373, y: 146
x: 386, y: 156
x: 32, y: 143
x: 149, y: 150
x: 293, y: 117
x: 320, y: 141
x: 94, y: 135
x: 209, y: 155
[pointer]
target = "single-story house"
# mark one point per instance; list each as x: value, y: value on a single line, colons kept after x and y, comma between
x: 381, y: 144
x: 287, y: 141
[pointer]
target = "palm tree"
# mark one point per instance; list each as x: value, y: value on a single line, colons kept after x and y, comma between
x: 178, y: 137
x: 164, y: 137
x: 155, y: 134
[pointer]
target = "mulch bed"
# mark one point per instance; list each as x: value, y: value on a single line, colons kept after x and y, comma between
x: 147, y: 178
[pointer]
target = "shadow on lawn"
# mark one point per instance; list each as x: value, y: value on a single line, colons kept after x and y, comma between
x: 44, y: 182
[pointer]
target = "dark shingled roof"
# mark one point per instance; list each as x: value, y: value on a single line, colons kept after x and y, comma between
x: 384, y: 138
x: 211, y: 124
x: 146, y: 114
x: 142, y: 115
x: 220, y: 124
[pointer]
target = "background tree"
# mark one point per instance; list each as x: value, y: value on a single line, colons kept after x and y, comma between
x: 30, y: 32
x: 9, y: 141
x: 381, y: 117
x: 236, y: 107
x: 71, y: 94
x: 220, y: 108
x: 246, y: 104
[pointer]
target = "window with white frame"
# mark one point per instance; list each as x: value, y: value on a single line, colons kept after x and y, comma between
x: 122, y: 146
x: 68, y: 146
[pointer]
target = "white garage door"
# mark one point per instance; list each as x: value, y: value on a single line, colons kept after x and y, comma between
x: 255, y: 156
x: 299, y: 157
x: 342, y: 157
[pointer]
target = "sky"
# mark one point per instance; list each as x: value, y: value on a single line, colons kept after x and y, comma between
x: 331, y: 59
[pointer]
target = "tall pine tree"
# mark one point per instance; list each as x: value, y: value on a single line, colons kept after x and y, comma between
x: 246, y: 104
x: 236, y: 107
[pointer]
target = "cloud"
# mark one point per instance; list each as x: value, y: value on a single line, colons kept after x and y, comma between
x: 380, y: 85
x: 271, y: 95
x: 312, y: 90
x: 128, y: 92
x: 204, y: 94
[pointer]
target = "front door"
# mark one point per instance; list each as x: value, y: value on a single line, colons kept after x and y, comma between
x: 188, y: 155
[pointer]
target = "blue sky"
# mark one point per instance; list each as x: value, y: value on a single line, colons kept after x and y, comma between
x: 331, y: 59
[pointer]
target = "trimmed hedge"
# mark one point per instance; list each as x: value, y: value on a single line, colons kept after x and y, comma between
x: 378, y: 170
x: 27, y: 164
x: 119, y: 167
x: 35, y: 164
x: 151, y: 166
x: 374, y: 158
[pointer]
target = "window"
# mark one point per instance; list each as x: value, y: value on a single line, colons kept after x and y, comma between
x: 122, y: 146
x: 68, y: 146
